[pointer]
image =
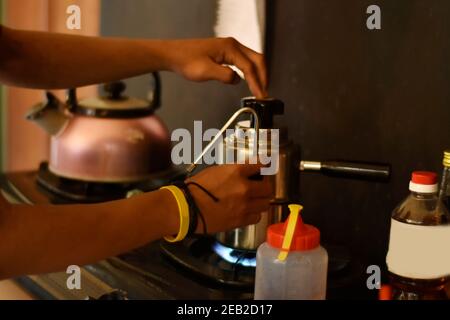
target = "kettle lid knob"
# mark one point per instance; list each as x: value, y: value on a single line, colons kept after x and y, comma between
x: 115, y: 90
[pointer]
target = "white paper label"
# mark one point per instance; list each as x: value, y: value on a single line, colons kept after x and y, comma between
x: 419, y: 252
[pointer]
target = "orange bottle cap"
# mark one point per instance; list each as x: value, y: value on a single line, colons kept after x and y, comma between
x: 385, y: 292
x: 305, y: 237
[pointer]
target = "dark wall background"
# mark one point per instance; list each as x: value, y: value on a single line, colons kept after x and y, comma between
x: 350, y: 93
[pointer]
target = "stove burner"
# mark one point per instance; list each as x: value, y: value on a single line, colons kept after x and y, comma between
x: 64, y: 190
x: 234, y: 256
x: 197, y: 255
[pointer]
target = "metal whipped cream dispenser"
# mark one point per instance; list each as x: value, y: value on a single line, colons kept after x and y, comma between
x: 274, y: 150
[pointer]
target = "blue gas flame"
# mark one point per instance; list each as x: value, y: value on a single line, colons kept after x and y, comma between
x: 234, y: 256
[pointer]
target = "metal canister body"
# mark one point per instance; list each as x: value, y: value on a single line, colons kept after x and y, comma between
x: 239, y: 146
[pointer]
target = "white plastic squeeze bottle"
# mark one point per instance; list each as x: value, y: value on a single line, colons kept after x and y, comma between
x: 291, y: 265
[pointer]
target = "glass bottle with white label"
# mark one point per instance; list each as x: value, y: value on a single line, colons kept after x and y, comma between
x: 419, y: 257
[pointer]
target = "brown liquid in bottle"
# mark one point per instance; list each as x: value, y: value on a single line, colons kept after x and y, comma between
x: 418, y: 289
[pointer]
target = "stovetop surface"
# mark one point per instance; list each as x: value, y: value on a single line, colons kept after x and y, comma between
x: 188, y: 270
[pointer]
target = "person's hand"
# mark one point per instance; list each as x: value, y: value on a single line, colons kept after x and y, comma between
x: 204, y: 59
x: 241, y: 201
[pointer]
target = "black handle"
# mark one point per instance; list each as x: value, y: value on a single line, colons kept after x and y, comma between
x: 72, y: 100
x: 356, y: 170
x: 266, y: 109
x: 156, y: 98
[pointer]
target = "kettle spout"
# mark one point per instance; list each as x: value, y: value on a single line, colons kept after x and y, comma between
x: 49, y: 115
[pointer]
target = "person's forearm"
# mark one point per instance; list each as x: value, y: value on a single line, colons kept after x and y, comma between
x: 41, y: 239
x: 57, y: 61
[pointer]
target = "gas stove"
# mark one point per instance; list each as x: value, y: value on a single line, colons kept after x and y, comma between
x: 197, y: 268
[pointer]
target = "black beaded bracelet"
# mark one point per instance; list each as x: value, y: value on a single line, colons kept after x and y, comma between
x: 194, y: 210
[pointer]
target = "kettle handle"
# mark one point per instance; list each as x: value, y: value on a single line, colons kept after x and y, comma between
x: 72, y: 100
x: 155, y: 95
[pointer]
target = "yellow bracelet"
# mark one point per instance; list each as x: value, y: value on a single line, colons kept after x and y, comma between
x: 183, y: 209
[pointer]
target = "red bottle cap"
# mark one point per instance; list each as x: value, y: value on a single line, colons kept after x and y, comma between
x: 424, y: 177
x: 423, y: 182
x: 306, y: 237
